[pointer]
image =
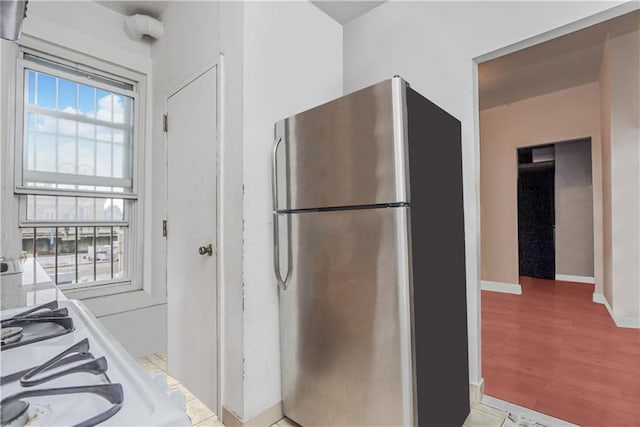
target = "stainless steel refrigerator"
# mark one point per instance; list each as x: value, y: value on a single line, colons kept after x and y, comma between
x: 369, y: 258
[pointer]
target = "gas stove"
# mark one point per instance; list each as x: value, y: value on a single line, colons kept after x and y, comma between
x: 60, y: 367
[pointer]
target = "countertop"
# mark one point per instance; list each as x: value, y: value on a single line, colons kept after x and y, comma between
x: 21, y: 290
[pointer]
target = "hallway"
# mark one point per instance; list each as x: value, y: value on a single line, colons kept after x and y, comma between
x: 553, y: 350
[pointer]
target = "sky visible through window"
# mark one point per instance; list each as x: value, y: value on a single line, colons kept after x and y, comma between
x: 76, y: 130
x: 76, y: 137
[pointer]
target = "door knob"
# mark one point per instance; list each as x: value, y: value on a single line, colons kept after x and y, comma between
x: 206, y: 250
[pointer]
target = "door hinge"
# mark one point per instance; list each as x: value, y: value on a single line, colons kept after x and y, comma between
x: 164, y: 228
x: 165, y: 123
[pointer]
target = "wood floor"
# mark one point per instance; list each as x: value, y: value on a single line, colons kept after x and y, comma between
x: 555, y: 351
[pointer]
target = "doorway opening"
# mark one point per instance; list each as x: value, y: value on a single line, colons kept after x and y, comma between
x: 555, y: 211
x: 548, y: 141
x: 536, y: 212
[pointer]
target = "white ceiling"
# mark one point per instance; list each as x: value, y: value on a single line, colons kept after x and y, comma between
x: 558, y: 64
x: 345, y: 11
x: 341, y: 11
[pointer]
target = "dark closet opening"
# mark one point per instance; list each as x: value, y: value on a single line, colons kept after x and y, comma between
x: 536, y: 212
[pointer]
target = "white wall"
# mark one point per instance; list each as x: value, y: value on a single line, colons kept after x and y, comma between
x: 230, y: 213
x: 189, y: 43
x: 574, y: 206
x: 140, y: 332
x: 605, y: 130
x: 432, y: 45
x: 293, y: 61
x: 620, y: 71
x: 279, y: 58
x: 88, y: 28
x: 559, y: 116
x: 9, y: 240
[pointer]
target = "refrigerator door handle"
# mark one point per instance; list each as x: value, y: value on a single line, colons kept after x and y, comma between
x: 282, y: 283
x: 274, y: 173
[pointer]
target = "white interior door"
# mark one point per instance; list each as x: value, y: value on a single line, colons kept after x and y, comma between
x: 191, y: 274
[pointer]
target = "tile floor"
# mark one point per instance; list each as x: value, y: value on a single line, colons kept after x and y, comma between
x: 485, y: 416
x: 285, y: 422
x: 200, y: 415
x: 481, y: 415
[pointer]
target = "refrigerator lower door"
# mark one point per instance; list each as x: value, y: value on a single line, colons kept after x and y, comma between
x: 346, y: 319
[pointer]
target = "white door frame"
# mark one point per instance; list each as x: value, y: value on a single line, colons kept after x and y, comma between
x: 219, y: 65
x: 571, y: 27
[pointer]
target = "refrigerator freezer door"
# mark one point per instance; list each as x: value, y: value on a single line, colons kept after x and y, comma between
x: 346, y: 319
x: 347, y: 152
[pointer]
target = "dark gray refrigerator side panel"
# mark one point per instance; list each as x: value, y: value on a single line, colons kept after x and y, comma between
x: 438, y: 258
x: 345, y: 319
x: 347, y: 152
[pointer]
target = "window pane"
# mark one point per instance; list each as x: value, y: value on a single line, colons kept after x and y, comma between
x: 85, y: 254
x: 87, y: 103
x: 45, y: 124
x: 41, y: 208
x: 46, y: 153
x: 46, y: 94
x: 118, y: 136
x: 92, y: 155
x: 59, y: 208
x: 66, y: 127
x: 121, y: 106
x: 31, y: 121
x: 118, y: 161
x: 104, y: 253
x: 67, y: 155
x: 86, y: 130
x: 105, y: 105
x: 66, y: 255
x: 103, y: 159
x: 86, y: 157
x: 66, y: 209
x: 31, y: 86
x: 30, y: 150
x: 86, y: 209
x: 69, y: 138
x: 67, y: 96
x: 45, y: 250
x: 103, y: 133
x: 118, y: 252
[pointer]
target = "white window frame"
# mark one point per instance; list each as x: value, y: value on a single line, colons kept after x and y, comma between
x: 134, y: 200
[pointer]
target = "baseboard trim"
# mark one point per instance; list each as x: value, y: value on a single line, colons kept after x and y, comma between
x: 265, y: 418
x: 599, y: 298
x: 476, y: 392
x: 578, y: 279
x: 506, y: 288
x: 620, y: 321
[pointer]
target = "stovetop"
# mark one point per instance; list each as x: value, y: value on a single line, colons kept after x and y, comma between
x: 80, y: 376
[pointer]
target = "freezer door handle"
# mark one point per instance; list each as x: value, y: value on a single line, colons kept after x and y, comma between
x: 282, y: 283
x: 274, y: 174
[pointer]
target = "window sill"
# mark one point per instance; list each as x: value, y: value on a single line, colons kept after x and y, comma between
x: 83, y: 291
x: 106, y: 305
